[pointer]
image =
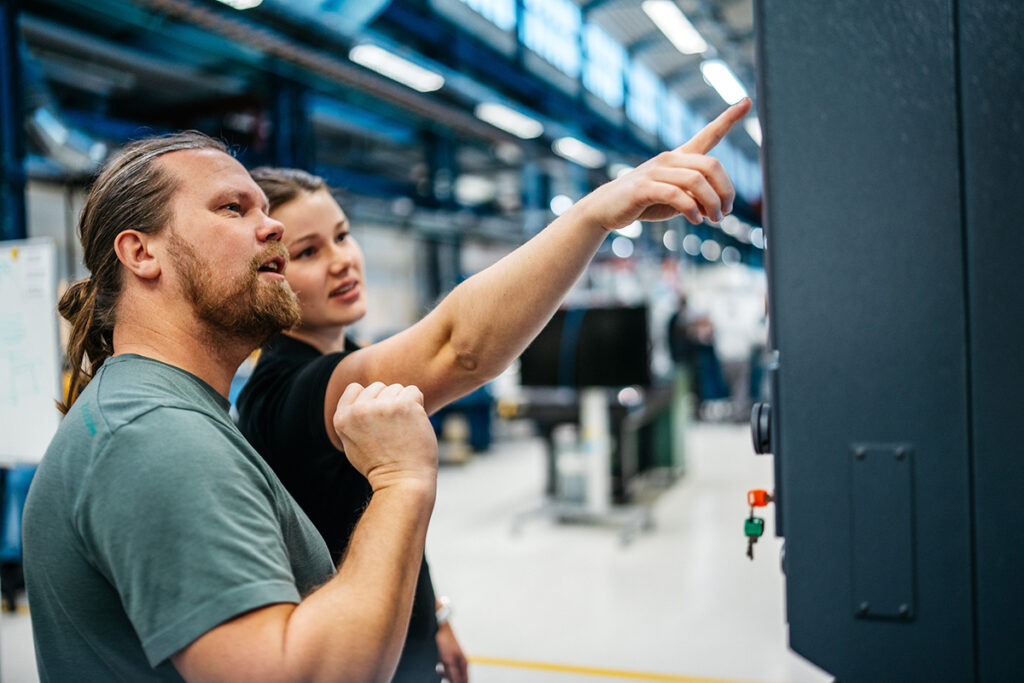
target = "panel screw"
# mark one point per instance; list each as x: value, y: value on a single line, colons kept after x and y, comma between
x: 904, y: 610
x: 863, y: 609
x: 900, y: 452
x: 860, y: 453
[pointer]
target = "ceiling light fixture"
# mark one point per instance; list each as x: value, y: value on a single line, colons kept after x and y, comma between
x: 560, y: 203
x: 509, y: 120
x: 667, y: 16
x: 579, y: 152
x: 242, y: 4
x: 622, y: 247
x: 633, y: 230
x: 619, y: 170
x: 719, y: 76
x: 397, y: 69
x: 753, y: 128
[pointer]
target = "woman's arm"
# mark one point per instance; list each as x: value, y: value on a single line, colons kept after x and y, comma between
x: 487, y: 321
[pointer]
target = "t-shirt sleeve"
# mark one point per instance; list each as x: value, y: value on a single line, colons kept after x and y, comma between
x: 293, y: 411
x: 185, y: 527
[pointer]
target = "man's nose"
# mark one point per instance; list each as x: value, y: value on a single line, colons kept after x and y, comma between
x: 270, y: 230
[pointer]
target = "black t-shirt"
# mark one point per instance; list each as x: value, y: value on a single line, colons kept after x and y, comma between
x: 281, y: 413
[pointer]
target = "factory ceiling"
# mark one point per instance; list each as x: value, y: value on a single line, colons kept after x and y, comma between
x: 277, y: 81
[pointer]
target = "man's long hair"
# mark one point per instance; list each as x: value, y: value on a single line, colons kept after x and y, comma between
x: 133, y: 192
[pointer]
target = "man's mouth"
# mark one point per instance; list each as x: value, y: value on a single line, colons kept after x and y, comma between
x: 274, y: 265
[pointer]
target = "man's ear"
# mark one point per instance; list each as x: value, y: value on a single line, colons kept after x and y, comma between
x: 134, y: 250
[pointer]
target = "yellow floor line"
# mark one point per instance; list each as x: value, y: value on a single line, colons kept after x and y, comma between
x: 591, y: 671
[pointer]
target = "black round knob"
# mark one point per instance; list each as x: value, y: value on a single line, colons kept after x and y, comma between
x: 761, y: 427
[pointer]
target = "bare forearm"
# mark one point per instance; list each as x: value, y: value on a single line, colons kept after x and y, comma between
x: 493, y: 315
x: 353, y: 627
x: 350, y: 630
x: 488, y: 320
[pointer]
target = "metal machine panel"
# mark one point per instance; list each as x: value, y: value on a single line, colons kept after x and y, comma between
x: 867, y: 302
x: 882, y: 531
x: 992, y: 82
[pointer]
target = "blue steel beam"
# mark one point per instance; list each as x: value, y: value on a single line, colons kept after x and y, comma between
x: 12, y: 145
x: 588, y: 7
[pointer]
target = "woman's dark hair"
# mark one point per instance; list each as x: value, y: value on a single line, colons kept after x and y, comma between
x: 281, y: 185
x: 131, y: 193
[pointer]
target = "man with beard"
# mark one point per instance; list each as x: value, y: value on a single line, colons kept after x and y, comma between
x: 157, y: 543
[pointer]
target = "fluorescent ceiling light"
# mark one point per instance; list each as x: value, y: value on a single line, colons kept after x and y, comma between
x: 622, y: 247
x: 242, y: 4
x: 509, y: 120
x: 394, y: 67
x: 753, y: 128
x: 619, y: 170
x: 757, y: 237
x: 560, y: 203
x: 667, y: 16
x: 473, y: 190
x: 578, y: 152
x: 671, y: 240
x: 633, y: 230
x: 719, y: 76
x: 710, y: 250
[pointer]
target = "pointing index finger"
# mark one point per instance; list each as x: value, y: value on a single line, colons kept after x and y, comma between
x: 704, y: 141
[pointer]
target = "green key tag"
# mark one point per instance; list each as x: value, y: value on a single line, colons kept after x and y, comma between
x: 753, y: 527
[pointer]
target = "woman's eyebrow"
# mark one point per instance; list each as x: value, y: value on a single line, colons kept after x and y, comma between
x: 308, y: 237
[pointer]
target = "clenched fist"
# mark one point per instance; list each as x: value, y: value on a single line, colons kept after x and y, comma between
x: 387, y: 435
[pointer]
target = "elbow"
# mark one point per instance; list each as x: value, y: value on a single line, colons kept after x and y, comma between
x: 472, y: 362
x: 472, y: 366
x: 467, y: 361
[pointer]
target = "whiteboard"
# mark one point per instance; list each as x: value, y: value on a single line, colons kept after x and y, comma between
x: 29, y: 350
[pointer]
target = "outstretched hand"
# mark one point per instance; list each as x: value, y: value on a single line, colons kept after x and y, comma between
x: 680, y: 181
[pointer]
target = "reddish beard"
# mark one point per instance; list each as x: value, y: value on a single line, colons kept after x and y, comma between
x: 247, y: 308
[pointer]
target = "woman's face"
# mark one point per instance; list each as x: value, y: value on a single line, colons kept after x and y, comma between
x: 326, y: 266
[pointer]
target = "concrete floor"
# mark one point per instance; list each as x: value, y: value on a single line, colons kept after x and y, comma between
x: 570, y: 603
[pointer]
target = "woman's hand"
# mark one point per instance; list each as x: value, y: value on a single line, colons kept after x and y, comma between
x: 456, y: 669
x: 681, y: 181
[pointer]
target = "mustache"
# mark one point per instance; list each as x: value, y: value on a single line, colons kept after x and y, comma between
x: 273, y: 250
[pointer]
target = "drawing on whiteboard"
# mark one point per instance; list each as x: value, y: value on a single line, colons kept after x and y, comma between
x: 29, y: 350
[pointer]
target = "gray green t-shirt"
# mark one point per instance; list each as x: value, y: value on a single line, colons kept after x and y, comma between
x: 150, y: 521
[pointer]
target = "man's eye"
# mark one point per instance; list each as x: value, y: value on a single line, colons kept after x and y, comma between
x: 234, y: 207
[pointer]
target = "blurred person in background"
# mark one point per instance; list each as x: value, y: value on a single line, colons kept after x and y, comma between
x: 471, y: 336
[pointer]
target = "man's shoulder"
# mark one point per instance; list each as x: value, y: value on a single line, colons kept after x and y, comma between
x: 127, y: 387
x: 138, y: 417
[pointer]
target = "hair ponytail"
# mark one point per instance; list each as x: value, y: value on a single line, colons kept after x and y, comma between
x: 88, y: 341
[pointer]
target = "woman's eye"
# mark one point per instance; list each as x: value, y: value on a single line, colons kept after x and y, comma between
x: 306, y: 253
x: 341, y: 237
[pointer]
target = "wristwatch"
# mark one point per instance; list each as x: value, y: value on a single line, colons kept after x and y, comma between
x: 444, y: 612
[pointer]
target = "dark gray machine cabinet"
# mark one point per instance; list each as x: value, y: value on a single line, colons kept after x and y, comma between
x: 992, y: 106
x: 894, y: 203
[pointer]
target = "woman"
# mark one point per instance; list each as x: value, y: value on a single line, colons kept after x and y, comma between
x: 287, y: 406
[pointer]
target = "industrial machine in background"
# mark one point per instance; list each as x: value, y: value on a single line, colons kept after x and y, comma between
x: 894, y: 167
x: 610, y: 430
